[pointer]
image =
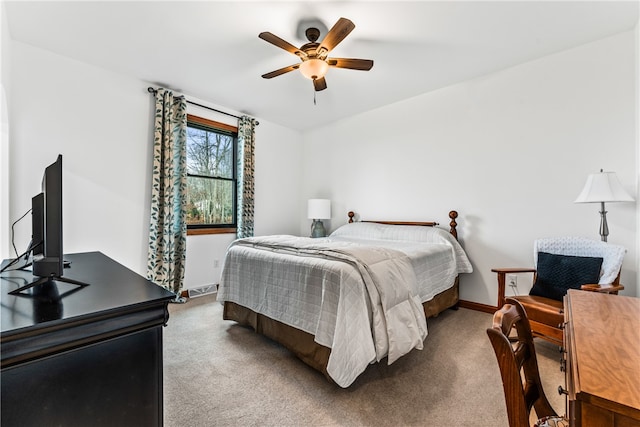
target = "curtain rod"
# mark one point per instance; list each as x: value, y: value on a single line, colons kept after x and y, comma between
x: 153, y: 91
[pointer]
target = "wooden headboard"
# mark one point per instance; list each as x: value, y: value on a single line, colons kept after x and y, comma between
x: 452, y: 214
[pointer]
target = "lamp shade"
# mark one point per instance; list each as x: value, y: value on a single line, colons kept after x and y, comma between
x: 319, y: 209
x: 603, y: 187
x: 314, y: 68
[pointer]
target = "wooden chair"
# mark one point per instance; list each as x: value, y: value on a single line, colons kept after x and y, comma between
x: 546, y: 315
x: 516, y: 355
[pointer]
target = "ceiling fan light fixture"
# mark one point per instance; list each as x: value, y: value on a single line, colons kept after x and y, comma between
x: 314, y: 68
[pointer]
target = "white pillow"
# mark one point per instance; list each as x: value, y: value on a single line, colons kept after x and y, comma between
x: 407, y: 233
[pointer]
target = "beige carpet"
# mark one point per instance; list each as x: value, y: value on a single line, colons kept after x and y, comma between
x: 217, y: 373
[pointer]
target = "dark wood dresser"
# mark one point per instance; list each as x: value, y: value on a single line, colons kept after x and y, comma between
x: 602, y: 342
x: 82, y: 356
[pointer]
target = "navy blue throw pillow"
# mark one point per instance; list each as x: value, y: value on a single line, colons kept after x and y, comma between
x: 558, y: 273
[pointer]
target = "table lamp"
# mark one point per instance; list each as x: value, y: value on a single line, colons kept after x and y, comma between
x: 317, y: 210
x: 600, y: 188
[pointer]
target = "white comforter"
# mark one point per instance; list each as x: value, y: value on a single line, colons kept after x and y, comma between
x: 360, y: 298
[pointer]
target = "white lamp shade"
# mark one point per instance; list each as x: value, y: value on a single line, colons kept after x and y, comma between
x: 314, y: 68
x: 319, y: 209
x: 603, y: 187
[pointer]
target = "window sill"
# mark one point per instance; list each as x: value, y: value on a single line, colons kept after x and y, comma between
x: 202, y: 231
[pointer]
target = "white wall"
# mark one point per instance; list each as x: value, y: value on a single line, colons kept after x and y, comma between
x: 5, y: 79
x: 510, y: 151
x: 102, y: 124
x: 99, y: 122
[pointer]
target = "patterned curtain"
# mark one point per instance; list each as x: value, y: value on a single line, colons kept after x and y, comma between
x: 168, y: 227
x: 246, y: 185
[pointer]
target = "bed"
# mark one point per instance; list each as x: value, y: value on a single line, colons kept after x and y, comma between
x: 342, y: 302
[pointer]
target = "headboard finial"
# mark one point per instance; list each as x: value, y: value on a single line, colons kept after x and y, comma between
x: 453, y: 224
x: 351, y: 214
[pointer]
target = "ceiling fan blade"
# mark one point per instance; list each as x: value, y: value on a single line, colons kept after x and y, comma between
x: 283, y: 44
x: 281, y: 71
x: 336, y: 34
x: 319, y: 84
x: 351, y: 63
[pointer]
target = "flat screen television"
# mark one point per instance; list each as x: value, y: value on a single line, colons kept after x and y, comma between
x: 48, y: 257
x: 46, y: 230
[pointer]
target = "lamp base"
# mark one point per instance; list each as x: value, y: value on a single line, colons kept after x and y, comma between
x: 317, y: 229
x: 604, y: 228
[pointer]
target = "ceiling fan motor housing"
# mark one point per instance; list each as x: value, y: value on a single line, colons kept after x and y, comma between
x: 312, y: 34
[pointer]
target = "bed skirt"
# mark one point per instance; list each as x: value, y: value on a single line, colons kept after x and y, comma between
x: 301, y: 343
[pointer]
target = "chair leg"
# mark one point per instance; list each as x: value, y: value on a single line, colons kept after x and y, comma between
x: 501, y: 288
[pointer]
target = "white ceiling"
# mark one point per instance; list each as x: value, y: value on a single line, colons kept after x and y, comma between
x: 211, y: 50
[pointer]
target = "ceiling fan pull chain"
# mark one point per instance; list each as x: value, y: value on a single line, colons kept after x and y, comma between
x: 314, y: 97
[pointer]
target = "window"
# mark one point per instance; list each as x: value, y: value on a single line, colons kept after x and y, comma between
x: 211, y: 176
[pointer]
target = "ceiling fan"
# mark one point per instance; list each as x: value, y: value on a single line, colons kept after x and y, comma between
x: 314, y: 55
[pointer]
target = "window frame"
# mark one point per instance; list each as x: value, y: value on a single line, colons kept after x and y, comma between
x: 212, y: 125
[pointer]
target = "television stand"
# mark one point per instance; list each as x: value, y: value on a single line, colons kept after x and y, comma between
x: 47, y: 279
x: 91, y: 356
